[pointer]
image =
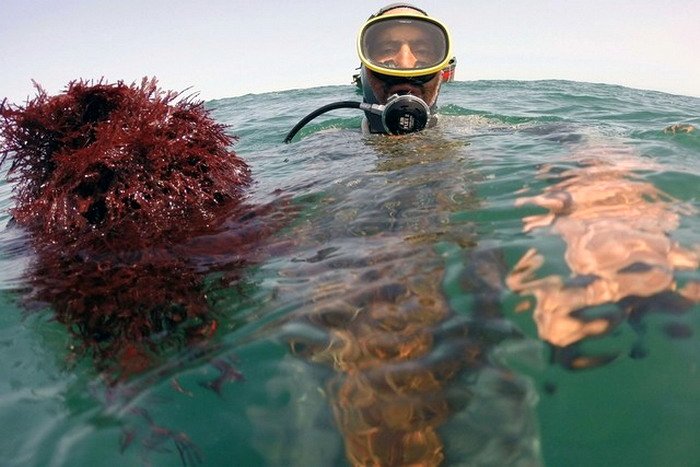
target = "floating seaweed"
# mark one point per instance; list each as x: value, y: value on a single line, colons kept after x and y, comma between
x: 131, y: 197
x: 117, y: 166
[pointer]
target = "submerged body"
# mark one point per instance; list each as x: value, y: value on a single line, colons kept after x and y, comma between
x: 405, y: 362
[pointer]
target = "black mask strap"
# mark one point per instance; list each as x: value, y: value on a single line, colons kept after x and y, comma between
x: 394, y: 6
x: 418, y: 80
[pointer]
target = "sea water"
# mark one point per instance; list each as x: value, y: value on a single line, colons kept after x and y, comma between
x: 424, y: 226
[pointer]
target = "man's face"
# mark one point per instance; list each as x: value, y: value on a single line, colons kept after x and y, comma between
x: 405, y: 46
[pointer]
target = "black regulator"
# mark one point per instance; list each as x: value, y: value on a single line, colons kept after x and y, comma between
x: 400, y: 115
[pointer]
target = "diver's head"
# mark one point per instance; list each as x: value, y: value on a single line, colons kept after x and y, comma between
x: 403, y: 51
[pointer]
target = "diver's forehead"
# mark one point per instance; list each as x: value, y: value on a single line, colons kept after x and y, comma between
x: 403, y: 31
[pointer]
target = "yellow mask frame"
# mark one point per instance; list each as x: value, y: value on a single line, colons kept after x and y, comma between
x: 411, y: 19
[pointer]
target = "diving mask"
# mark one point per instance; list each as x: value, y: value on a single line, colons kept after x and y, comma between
x: 405, y: 45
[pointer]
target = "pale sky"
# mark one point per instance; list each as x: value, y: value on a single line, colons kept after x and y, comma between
x: 228, y: 48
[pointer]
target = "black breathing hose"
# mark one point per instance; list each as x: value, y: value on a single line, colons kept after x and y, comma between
x: 317, y: 112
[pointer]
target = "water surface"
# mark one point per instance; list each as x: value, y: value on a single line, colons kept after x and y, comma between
x: 380, y: 315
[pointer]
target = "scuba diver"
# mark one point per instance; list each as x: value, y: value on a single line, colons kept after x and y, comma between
x: 405, y: 56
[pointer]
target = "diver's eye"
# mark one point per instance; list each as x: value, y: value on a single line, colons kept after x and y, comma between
x: 421, y: 51
x: 422, y: 56
x: 388, y: 48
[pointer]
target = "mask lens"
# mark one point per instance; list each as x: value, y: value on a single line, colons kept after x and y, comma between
x: 404, y: 44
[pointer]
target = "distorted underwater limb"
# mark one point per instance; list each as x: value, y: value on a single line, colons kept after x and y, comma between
x: 406, y: 365
x: 617, y: 229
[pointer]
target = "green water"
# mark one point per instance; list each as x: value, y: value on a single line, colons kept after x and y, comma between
x: 375, y: 212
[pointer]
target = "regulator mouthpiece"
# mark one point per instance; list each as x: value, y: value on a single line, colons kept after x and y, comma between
x: 405, y: 114
x: 401, y: 114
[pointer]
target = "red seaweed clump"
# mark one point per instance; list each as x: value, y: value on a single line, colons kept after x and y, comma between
x: 130, y: 199
x: 118, y: 164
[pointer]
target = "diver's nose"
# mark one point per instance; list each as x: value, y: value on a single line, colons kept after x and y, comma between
x: 405, y: 58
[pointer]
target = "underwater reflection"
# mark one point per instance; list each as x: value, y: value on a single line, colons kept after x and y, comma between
x: 616, y: 227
